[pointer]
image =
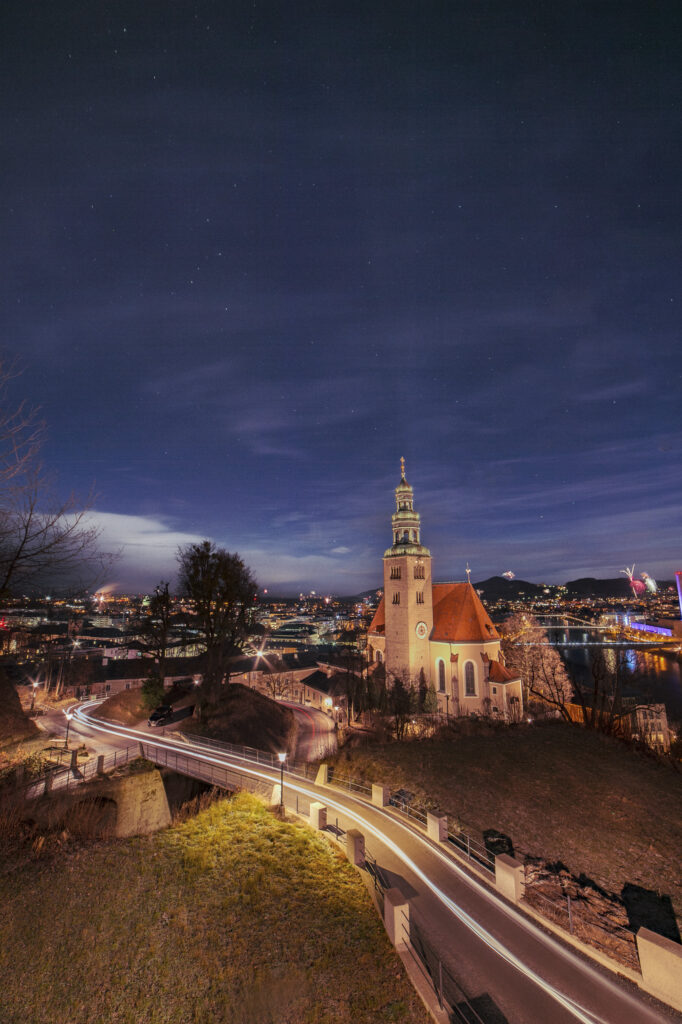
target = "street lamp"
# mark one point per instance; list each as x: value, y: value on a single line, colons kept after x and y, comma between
x: 282, y: 759
x: 69, y: 716
x: 34, y: 684
x: 447, y: 706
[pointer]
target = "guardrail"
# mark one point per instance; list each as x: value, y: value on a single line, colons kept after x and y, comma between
x: 67, y: 775
x: 462, y: 841
x: 264, y: 757
x: 450, y: 994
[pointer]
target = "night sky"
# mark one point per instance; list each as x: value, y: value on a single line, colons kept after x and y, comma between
x: 254, y: 253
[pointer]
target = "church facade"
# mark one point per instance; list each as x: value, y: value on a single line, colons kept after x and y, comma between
x: 440, y: 631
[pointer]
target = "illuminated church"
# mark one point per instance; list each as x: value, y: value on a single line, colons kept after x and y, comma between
x: 439, y: 629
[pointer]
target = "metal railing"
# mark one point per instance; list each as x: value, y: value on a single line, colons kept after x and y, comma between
x: 462, y: 841
x: 337, y: 778
x: 570, y: 913
x: 264, y: 757
x: 66, y: 775
x: 450, y: 994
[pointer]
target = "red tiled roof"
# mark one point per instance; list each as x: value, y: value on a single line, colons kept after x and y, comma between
x: 500, y: 674
x: 378, y: 623
x: 459, y: 616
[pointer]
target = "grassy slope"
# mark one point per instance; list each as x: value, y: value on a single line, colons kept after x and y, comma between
x: 561, y: 793
x: 232, y: 916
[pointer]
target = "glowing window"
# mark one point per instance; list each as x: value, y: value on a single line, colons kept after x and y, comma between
x: 469, y: 680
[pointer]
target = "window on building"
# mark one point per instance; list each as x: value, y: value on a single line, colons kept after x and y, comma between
x: 420, y: 597
x: 494, y: 689
x: 469, y: 680
x: 380, y: 657
x: 395, y: 572
x: 396, y: 597
x: 441, y: 675
x: 419, y: 572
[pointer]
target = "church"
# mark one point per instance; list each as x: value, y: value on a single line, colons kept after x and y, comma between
x: 439, y: 629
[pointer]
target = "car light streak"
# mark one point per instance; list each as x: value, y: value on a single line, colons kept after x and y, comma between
x: 244, y: 766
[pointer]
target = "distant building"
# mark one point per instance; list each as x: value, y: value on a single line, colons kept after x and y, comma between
x: 437, y: 631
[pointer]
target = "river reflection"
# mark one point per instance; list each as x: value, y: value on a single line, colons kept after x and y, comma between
x: 649, y: 676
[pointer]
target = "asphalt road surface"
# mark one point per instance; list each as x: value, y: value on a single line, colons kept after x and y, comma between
x: 316, y: 734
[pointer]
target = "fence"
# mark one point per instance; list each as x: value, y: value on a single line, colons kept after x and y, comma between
x: 462, y: 841
x: 450, y: 994
x: 264, y: 757
x: 68, y: 774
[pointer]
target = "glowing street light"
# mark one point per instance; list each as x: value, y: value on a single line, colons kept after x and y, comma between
x: 34, y: 684
x: 282, y: 759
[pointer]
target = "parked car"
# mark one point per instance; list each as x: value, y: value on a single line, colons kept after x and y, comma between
x: 160, y: 715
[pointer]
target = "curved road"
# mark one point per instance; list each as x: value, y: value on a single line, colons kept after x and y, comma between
x: 523, y: 974
x: 316, y: 734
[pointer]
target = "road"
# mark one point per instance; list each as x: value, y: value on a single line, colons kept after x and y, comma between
x: 520, y: 974
x: 316, y: 734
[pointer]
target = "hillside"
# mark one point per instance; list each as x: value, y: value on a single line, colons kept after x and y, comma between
x: 243, y: 716
x: 561, y: 793
x: 15, y: 725
x: 232, y: 916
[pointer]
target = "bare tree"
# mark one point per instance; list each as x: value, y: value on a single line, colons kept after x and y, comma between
x: 44, y: 538
x: 277, y: 684
x: 600, y: 698
x: 222, y: 591
x: 155, y: 629
x: 527, y: 651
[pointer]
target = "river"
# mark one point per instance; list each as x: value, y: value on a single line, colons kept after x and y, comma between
x: 651, y: 676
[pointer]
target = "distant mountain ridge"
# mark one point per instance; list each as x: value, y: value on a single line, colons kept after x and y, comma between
x: 497, y: 588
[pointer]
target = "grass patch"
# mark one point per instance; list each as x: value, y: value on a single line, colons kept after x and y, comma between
x: 230, y: 916
x: 246, y: 717
x: 561, y: 793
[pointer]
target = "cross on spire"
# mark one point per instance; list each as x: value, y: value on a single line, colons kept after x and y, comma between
x: 468, y: 573
x: 402, y: 468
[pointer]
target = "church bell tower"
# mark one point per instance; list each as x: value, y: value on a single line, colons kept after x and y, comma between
x: 408, y: 600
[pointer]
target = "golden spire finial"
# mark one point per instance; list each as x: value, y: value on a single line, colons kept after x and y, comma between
x: 468, y: 573
x: 402, y: 468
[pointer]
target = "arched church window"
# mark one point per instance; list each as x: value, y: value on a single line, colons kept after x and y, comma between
x: 469, y: 679
x: 441, y: 675
x: 414, y: 536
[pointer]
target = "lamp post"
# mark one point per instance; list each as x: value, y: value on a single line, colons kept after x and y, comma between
x: 447, y: 706
x: 69, y: 716
x: 282, y: 759
x: 34, y: 685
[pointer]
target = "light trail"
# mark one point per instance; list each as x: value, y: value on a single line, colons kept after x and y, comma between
x: 243, y: 766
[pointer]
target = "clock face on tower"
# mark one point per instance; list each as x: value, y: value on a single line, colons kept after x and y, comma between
x: 421, y: 630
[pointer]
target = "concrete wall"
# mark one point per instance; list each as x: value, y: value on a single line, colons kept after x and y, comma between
x: 125, y: 806
x: 661, y: 963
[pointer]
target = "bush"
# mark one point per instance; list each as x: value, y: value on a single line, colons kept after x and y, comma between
x: 153, y: 692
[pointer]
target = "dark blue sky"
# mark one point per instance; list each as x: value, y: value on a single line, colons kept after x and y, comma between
x: 254, y: 253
